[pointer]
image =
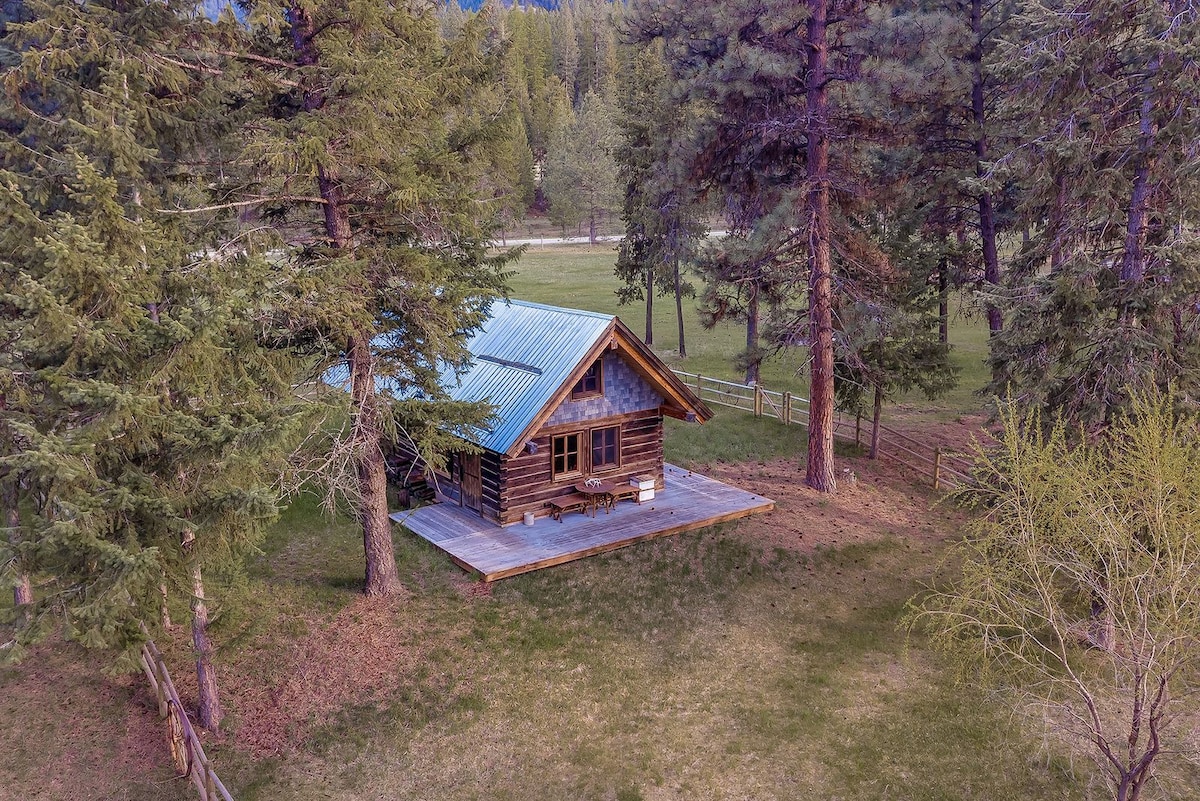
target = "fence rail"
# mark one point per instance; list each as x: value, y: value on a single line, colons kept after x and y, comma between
x: 945, y: 470
x: 186, y: 749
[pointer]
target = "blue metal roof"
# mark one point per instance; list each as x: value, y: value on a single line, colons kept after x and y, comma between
x: 522, y: 356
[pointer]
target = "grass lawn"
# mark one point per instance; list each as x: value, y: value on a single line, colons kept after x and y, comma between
x: 693, y: 667
x: 582, y: 277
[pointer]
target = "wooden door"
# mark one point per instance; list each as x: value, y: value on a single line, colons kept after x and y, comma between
x: 472, y: 482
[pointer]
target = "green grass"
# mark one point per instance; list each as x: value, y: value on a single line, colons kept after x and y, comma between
x: 582, y: 277
x: 690, y: 667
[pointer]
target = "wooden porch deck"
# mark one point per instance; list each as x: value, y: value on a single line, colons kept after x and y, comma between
x: 690, y: 501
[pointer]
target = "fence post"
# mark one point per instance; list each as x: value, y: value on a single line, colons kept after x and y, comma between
x: 937, y: 467
x: 698, y: 377
x: 857, y: 429
x: 210, y: 787
x: 160, y: 692
x: 758, y: 401
x: 787, y: 408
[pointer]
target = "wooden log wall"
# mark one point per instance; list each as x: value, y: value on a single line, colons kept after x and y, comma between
x: 492, y: 473
x: 526, y: 482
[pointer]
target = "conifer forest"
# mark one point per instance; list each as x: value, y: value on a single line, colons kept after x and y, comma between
x: 206, y: 208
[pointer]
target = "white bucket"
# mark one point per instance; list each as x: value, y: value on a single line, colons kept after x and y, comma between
x: 527, y: 518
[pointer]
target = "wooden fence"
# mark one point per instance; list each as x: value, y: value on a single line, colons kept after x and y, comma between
x: 186, y: 749
x: 945, y: 470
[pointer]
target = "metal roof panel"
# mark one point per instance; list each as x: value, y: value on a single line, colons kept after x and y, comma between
x: 548, y: 342
x: 523, y: 355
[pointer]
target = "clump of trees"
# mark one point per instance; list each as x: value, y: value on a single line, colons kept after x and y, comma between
x: 199, y: 216
x: 1080, y: 583
x: 1102, y: 298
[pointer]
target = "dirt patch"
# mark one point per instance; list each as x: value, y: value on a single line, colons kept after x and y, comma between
x: 357, y: 657
x: 874, y: 499
x: 83, y: 735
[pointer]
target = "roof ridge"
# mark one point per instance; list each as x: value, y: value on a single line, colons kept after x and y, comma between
x: 548, y: 307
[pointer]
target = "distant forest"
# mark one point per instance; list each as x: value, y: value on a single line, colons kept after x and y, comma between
x: 475, y: 5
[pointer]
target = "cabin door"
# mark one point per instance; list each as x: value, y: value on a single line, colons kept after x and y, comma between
x: 472, y: 482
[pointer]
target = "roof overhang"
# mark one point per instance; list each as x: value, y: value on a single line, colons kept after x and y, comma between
x: 678, y: 399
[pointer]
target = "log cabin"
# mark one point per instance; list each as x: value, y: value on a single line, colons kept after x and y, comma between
x: 576, y: 395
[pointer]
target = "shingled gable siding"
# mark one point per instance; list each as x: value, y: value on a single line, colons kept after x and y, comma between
x: 624, y: 391
x: 526, y: 483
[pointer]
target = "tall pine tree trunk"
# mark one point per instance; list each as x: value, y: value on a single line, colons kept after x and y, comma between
x: 650, y: 304
x: 209, y: 703
x: 752, y: 360
x: 164, y: 611
x: 22, y: 589
x: 987, y: 214
x: 876, y: 414
x: 9, y: 500
x: 382, y: 576
x: 820, y: 472
x: 944, y: 300
x: 1133, y: 258
x: 679, y: 307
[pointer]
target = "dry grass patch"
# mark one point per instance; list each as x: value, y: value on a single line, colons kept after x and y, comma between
x: 71, y: 733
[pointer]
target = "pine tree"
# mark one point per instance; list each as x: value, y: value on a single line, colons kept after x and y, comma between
x: 662, y: 224
x: 777, y: 148
x: 597, y: 20
x: 564, y: 44
x: 366, y: 162
x: 151, y: 418
x: 944, y: 99
x: 1103, y: 300
x: 888, y: 342
x: 581, y: 170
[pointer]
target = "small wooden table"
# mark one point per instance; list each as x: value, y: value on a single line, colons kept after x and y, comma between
x: 596, y: 493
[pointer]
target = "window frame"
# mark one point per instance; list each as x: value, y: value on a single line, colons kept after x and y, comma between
x: 566, y: 472
x: 616, y: 447
x: 579, y: 392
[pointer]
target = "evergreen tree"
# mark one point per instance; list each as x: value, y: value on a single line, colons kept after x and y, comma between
x: 564, y: 44
x: 888, y: 341
x: 780, y: 132
x: 10, y: 479
x: 943, y: 98
x: 1103, y: 299
x: 662, y: 225
x: 149, y: 417
x: 367, y: 163
x: 597, y: 43
x: 749, y: 276
x: 581, y: 172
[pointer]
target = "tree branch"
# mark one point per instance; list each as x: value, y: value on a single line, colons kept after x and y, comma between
x: 243, y: 203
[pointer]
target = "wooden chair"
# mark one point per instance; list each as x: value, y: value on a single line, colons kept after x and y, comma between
x: 569, y: 503
x: 623, y: 492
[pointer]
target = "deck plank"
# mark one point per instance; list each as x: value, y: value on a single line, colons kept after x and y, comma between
x: 690, y: 501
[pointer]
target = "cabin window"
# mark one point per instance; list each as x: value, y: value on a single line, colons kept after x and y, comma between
x: 592, y: 382
x: 564, y: 458
x: 606, y: 448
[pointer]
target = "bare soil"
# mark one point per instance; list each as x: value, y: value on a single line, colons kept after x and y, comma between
x: 355, y: 657
x: 84, y: 735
